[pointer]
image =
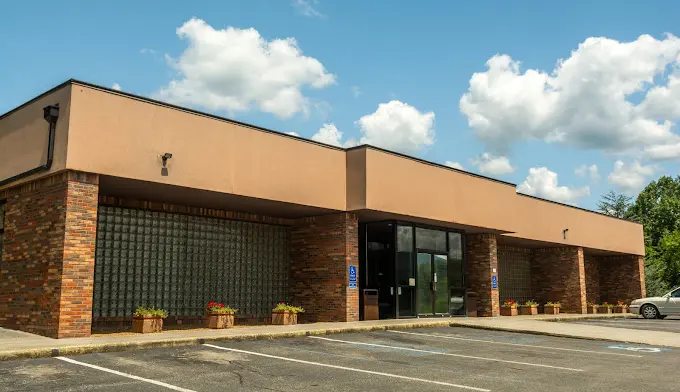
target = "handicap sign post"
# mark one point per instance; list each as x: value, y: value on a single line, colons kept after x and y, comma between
x: 494, y: 282
x: 352, y: 277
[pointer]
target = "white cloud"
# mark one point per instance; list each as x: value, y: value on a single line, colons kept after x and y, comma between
x: 455, y: 165
x: 329, y: 134
x: 398, y: 126
x: 356, y: 91
x: 306, y: 8
x: 493, y: 165
x: 293, y: 133
x: 584, y: 101
x: 116, y: 86
x: 542, y: 182
x: 147, y: 51
x: 631, y: 177
x: 589, y: 171
x: 235, y: 70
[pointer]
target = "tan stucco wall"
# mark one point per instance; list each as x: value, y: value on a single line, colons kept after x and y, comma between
x: 115, y: 135
x: 24, y: 135
x: 406, y: 186
x: 356, y: 179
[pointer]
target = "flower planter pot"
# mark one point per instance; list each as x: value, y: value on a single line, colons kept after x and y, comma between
x: 604, y: 310
x: 621, y: 309
x: 592, y: 309
x: 528, y: 310
x: 505, y: 311
x: 219, y: 320
x: 551, y: 310
x: 147, y: 324
x: 284, y: 318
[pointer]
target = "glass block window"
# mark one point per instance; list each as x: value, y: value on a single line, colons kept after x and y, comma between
x: 181, y: 262
x: 514, y: 277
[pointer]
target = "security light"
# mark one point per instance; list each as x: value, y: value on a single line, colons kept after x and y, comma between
x: 164, y: 169
x: 564, y: 233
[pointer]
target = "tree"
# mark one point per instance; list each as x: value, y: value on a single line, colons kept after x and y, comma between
x: 617, y: 205
x: 665, y: 258
x: 657, y: 207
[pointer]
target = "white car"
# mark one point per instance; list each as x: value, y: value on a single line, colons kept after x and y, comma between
x: 658, y: 307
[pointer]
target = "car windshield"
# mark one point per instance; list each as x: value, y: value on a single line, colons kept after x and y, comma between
x: 675, y: 293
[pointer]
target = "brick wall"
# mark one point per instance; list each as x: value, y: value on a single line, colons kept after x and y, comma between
x: 48, y: 255
x: 558, y: 274
x: 622, y: 278
x: 481, y: 259
x: 592, y: 270
x: 321, y: 250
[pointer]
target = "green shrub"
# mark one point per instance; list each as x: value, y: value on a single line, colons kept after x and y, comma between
x: 282, y: 307
x: 150, y: 312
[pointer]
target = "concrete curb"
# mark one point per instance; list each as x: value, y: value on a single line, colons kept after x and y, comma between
x: 47, y: 352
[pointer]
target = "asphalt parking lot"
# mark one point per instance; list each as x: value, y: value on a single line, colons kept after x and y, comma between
x: 433, y: 359
x: 669, y: 324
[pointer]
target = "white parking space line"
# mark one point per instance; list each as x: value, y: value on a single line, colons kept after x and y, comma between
x: 348, y: 368
x: 516, y: 344
x: 103, y: 369
x: 447, y: 354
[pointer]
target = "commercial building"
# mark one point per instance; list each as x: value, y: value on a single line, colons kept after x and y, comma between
x: 111, y: 201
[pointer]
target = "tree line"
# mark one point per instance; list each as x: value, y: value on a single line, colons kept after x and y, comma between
x: 657, y: 208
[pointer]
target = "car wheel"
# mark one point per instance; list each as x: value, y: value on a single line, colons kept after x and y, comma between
x: 649, y: 312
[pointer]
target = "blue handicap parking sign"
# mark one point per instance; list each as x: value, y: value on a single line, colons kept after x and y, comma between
x: 352, y: 274
x: 494, y: 282
x: 352, y: 277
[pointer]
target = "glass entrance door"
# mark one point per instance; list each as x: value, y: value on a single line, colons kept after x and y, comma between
x: 433, y: 284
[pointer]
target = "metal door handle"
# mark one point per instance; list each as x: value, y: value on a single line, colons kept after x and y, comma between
x: 399, y: 290
x: 391, y: 290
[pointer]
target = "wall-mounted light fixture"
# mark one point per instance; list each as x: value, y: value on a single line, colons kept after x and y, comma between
x: 564, y: 233
x: 164, y: 158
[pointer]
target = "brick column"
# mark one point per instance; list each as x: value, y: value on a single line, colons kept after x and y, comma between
x: 481, y: 260
x: 558, y: 274
x: 592, y: 270
x: 622, y: 278
x: 47, y: 268
x: 321, y: 250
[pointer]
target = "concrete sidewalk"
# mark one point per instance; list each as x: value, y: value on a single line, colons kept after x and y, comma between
x: 14, y: 344
x: 551, y: 325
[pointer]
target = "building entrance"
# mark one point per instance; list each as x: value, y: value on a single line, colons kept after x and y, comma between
x: 417, y: 271
x: 433, y: 284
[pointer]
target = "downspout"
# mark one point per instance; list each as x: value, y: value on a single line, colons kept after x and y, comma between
x: 51, y: 115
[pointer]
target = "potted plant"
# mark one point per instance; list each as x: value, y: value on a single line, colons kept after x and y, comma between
x: 621, y: 307
x: 605, y: 308
x: 148, y: 320
x: 551, y: 308
x: 529, y: 308
x: 509, y: 308
x: 284, y: 314
x: 592, y: 308
x: 219, y: 316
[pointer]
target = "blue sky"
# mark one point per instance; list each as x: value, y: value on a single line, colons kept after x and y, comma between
x: 394, y: 74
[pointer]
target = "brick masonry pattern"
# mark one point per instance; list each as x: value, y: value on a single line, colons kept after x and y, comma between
x: 558, y: 274
x: 481, y: 258
x: 321, y: 250
x: 622, y: 278
x: 592, y: 269
x: 48, y: 255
